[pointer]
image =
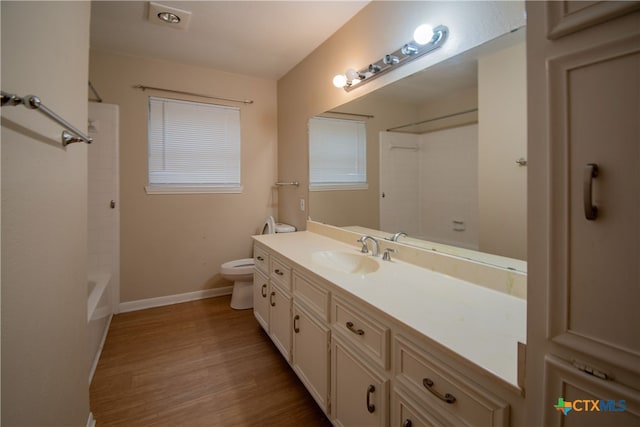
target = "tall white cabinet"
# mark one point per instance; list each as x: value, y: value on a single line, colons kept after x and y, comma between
x: 584, y: 213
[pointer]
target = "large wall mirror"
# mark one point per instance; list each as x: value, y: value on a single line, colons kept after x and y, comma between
x: 445, y: 158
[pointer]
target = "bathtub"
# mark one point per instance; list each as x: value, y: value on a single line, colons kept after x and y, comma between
x: 99, y: 312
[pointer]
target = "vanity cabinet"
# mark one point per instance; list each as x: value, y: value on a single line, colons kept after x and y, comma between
x: 359, y: 364
x: 261, y: 290
x: 363, y: 367
x: 442, y: 388
x: 311, y: 337
x: 280, y: 306
x: 272, y: 298
x: 310, y: 358
x: 359, y: 392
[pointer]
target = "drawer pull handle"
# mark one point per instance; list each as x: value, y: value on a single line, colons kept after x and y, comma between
x: 590, y: 172
x: 370, y: 406
x: 407, y: 423
x: 278, y: 272
x: 271, y: 301
x: 264, y: 290
x: 449, y: 398
x: 296, y: 329
x: 353, y: 329
x: 259, y: 258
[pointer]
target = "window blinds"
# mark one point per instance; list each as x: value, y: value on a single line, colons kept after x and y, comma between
x: 337, y: 153
x: 193, y: 144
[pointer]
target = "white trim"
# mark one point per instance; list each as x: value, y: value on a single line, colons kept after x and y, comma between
x: 172, y: 189
x: 141, y: 304
x: 99, y: 352
x: 91, y: 422
x: 339, y: 187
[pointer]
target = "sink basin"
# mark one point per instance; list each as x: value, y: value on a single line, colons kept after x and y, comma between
x: 345, y: 262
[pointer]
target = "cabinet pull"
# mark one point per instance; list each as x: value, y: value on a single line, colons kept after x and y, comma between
x: 407, y: 423
x: 590, y: 172
x: 271, y: 301
x: 264, y: 290
x: 259, y: 258
x: 296, y: 329
x: 370, y: 406
x: 353, y: 329
x: 449, y: 398
x: 278, y: 272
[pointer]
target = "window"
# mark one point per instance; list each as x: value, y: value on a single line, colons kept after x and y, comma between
x: 193, y: 147
x: 337, y: 154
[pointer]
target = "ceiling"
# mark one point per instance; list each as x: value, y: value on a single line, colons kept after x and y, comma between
x: 262, y: 39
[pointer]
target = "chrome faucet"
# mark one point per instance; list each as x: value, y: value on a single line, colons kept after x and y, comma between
x: 396, y: 236
x: 374, y: 246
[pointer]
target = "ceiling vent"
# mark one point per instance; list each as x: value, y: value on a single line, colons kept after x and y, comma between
x: 169, y: 16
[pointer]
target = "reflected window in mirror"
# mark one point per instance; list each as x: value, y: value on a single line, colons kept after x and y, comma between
x: 337, y: 154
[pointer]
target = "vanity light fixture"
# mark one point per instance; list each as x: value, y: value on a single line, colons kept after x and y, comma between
x: 425, y: 39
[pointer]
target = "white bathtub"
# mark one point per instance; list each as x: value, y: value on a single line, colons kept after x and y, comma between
x: 99, y: 312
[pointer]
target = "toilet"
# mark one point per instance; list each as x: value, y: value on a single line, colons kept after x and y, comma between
x: 240, y: 271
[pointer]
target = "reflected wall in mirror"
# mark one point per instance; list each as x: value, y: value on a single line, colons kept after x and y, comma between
x: 442, y: 157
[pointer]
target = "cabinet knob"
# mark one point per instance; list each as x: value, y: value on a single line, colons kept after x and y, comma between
x: 278, y: 272
x: 370, y: 406
x: 264, y: 290
x: 271, y: 301
x: 259, y: 258
x: 407, y: 423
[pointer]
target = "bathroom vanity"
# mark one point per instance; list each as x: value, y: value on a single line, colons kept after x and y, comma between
x: 383, y: 343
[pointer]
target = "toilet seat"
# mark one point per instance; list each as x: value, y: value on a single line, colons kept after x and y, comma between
x: 238, y: 267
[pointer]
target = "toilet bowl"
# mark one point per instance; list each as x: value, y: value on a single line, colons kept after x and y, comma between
x: 240, y: 271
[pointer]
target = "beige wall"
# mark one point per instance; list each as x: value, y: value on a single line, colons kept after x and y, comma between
x: 502, y: 138
x: 173, y: 244
x: 45, y: 49
x: 380, y: 28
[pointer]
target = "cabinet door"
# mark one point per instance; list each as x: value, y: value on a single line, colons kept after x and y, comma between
x: 311, y: 354
x: 261, y: 299
x: 280, y: 319
x: 359, y: 395
x: 595, y: 153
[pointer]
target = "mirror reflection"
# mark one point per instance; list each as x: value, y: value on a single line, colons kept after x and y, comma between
x: 445, y: 158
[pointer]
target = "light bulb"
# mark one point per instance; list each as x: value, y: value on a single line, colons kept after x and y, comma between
x: 340, y: 80
x: 352, y: 74
x: 423, y: 34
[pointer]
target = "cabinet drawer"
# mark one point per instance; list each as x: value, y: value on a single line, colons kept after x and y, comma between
x: 313, y: 295
x: 280, y: 273
x: 440, y: 386
x: 405, y: 412
x: 261, y: 258
x: 368, y: 335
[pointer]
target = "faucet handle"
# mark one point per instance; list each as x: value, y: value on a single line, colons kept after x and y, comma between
x: 365, y: 249
x: 387, y: 256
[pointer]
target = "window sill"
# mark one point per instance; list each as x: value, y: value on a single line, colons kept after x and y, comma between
x: 156, y: 189
x: 339, y: 187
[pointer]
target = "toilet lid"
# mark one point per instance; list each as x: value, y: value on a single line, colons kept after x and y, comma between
x: 269, y: 226
x: 284, y: 228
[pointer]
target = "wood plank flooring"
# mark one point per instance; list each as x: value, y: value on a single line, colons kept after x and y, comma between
x: 196, y: 364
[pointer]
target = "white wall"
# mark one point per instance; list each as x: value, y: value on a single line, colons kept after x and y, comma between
x: 45, y: 48
x: 429, y: 188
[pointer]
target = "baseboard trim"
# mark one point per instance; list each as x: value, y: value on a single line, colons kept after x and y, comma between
x: 141, y: 304
x: 91, y: 422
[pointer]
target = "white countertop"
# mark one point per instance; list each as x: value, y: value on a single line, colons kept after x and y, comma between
x: 480, y: 324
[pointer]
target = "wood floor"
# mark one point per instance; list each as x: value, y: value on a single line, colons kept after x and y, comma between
x: 196, y: 364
